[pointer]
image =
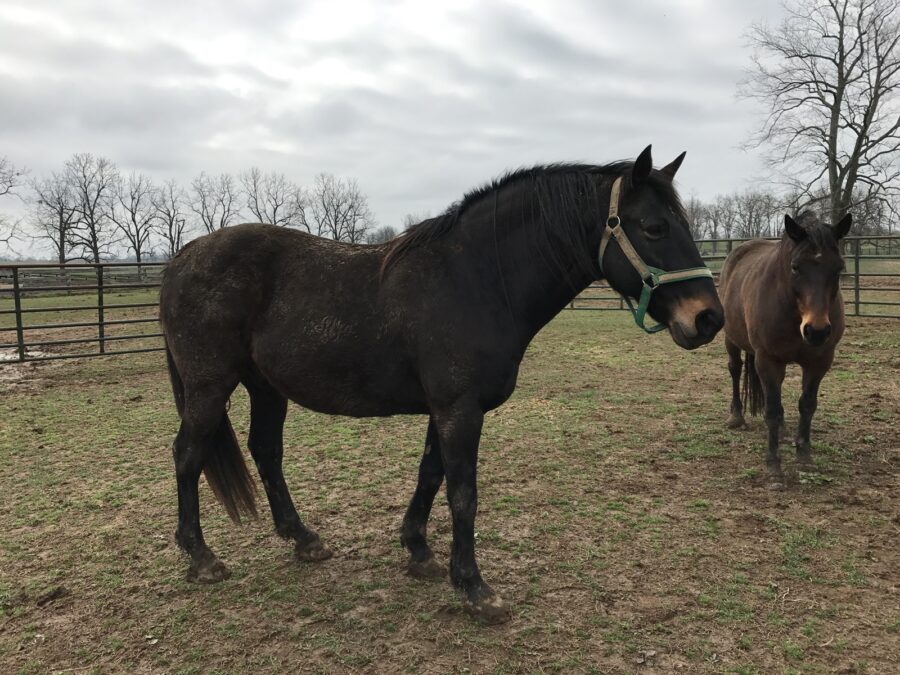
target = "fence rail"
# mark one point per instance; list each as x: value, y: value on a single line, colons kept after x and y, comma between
x: 50, y: 311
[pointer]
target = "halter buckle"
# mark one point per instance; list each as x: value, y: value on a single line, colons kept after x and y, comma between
x: 651, y: 281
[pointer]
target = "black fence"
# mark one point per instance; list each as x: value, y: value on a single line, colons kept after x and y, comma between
x: 51, y: 311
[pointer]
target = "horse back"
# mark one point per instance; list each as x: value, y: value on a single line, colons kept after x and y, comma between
x: 303, y: 311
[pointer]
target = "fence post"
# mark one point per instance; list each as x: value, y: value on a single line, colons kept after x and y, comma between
x: 17, y: 303
x: 856, y: 279
x: 100, y: 318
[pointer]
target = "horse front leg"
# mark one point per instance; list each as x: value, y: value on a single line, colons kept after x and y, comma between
x: 771, y: 376
x: 459, y: 432
x: 812, y: 377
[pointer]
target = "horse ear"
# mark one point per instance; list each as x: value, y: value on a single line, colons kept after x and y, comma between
x: 669, y: 170
x: 642, y: 167
x: 842, y: 228
x: 794, y: 231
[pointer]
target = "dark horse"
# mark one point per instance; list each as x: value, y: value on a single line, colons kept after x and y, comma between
x: 435, y: 322
x: 783, y: 305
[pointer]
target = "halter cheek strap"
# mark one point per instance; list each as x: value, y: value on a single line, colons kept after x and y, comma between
x: 651, y: 277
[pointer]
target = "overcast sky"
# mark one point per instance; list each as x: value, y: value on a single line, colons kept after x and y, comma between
x: 417, y: 100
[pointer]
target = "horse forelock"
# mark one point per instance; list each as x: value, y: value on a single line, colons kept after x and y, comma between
x: 819, y: 236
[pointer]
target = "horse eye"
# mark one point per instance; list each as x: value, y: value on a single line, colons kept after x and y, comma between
x: 656, y: 230
x: 795, y: 268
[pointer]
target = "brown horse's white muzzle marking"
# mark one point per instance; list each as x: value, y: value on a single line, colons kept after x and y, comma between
x: 696, y: 321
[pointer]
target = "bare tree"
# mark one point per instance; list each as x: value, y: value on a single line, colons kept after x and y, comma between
x: 411, y: 219
x: 169, y: 204
x: 215, y: 200
x: 54, y: 213
x: 755, y: 214
x: 381, y: 235
x: 273, y: 199
x: 10, y: 179
x: 830, y: 76
x: 93, y: 182
x: 131, y: 209
x: 10, y: 232
x: 721, y: 217
x: 697, y: 216
x: 338, y: 209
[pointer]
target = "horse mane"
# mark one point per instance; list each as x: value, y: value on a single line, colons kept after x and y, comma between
x: 560, y: 189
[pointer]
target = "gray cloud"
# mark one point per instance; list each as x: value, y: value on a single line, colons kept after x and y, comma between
x: 417, y: 112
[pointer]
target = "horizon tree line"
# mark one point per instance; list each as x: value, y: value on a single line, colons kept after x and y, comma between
x: 91, y: 211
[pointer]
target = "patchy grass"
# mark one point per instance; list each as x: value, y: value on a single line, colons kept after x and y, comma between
x: 630, y: 529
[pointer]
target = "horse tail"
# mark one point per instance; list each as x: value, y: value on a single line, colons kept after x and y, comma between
x: 753, y: 398
x: 227, y: 475
x: 223, y: 465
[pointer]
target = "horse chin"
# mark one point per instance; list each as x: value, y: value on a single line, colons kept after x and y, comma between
x: 683, y: 340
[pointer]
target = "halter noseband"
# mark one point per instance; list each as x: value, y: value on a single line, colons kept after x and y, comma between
x: 651, y: 277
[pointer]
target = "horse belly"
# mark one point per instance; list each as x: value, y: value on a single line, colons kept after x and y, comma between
x: 341, y: 378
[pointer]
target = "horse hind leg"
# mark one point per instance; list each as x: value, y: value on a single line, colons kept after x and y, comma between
x: 205, y: 442
x: 413, y: 534
x: 268, y: 409
x: 735, y: 365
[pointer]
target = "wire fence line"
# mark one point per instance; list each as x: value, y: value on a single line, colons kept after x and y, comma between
x: 50, y: 311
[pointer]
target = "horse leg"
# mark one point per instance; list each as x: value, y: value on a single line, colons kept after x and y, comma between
x: 268, y: 409
x: 459, y: 432
x: 771, y: 376
x: 203, y: 413
x: 735, y: 365
x: 812, y: 377
x: 422, y: 564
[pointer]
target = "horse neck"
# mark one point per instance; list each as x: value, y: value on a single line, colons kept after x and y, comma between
x: 779, y: 272
x: 502, y: 233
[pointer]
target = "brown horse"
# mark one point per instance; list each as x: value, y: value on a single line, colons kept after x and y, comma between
x: 783, y: 305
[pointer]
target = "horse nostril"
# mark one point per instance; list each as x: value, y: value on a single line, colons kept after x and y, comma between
x: 709, y: 322
x: 816, y: 336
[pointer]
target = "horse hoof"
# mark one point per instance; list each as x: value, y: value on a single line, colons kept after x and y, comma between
x: 776, y: 484
x: 207, y: 571
x: 426, y: 569
x: 491, y: 610
x: 736, y: 422
x: 313, y: 551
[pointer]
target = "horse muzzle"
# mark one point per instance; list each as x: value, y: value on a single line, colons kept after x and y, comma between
x: 695, y: 323
x: 815, y: 336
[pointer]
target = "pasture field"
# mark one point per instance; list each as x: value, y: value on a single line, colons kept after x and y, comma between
x: 630, y: 529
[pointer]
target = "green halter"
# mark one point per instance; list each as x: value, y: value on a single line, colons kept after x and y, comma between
x: 651, y: 277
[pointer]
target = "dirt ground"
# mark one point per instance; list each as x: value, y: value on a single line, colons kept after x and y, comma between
x: 631, y: 530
